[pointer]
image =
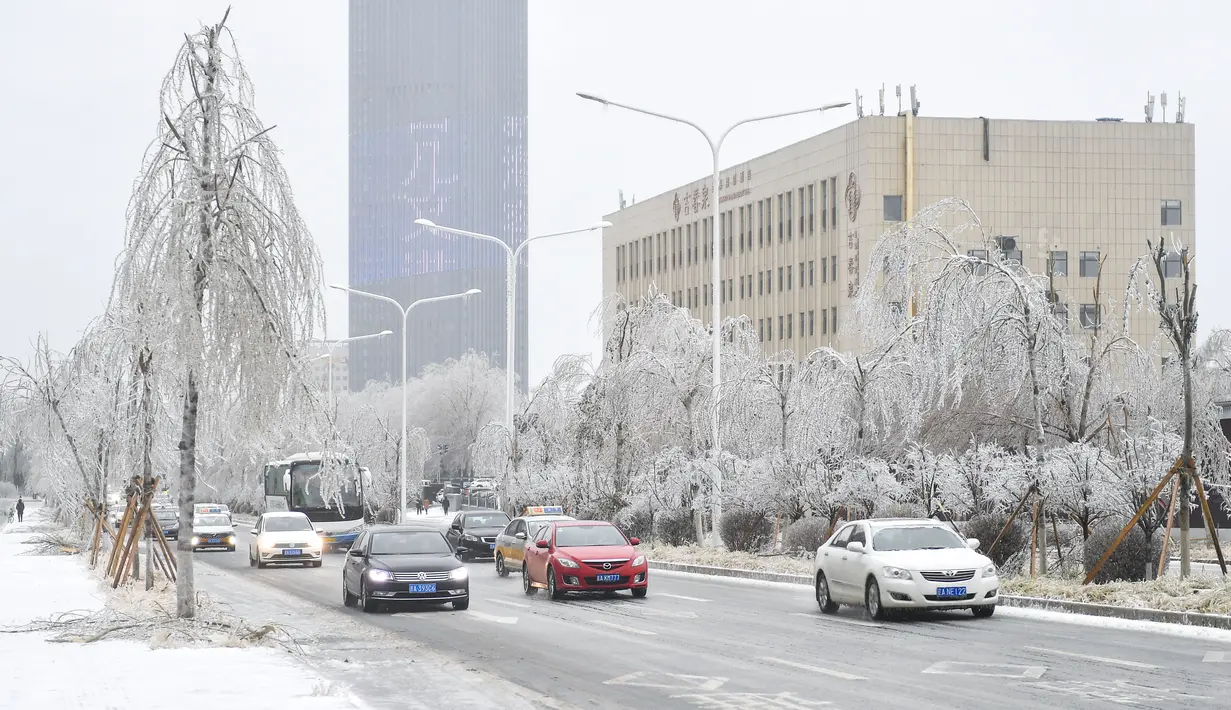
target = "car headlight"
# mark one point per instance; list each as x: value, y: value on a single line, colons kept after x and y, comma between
x: 315, y: 544
x: 639, y: 561
x: 230, y: 539
x: 196, y: 540
x: 356, y: 529
x: 380, y: 575
x: 459, y: 574
x: 989, y: 571
x: 469, y: 538
x: 566, y: 562
x: 896, y: 573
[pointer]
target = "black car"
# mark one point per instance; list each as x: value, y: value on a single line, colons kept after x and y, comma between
x: 169, y: 520
x: 403, y: 564
x: 473, y: 532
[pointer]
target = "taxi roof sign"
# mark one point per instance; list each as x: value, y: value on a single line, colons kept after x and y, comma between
x: 544, y: 510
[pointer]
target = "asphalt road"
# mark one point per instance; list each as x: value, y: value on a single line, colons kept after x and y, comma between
x: 701, y: 643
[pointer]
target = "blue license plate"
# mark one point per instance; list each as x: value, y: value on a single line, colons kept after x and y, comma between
x: 214, y: 540
x: 491, y: 546
x: 950, y: 591
x: 422, y: 589
x: 291, y: 553
x: 608, y: 577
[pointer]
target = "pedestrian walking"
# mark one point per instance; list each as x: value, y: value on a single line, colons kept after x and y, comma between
x: 418, y: 506
x: 21, y: 508
x: 444, y: 502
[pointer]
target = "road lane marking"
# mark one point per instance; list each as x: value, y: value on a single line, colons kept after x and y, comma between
x: 1216, y: 657
x: 681, y: 596
x: 1096, y: 659
x: 674, y: 681
x: 839, y: 620
x: 986, y: 670
x: 780, y: 701
x: 490, y: 617
x: 814, y: 669
x: 506, y: 602
x: 622, y: 627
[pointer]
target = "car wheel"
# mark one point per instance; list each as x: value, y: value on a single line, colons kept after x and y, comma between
x: 501, y: 570
x: 251, y: 559
x: 872, y: 600
x: 369, y: 606
x: 823, y: 600
x: 462, y: 604
x: 318, y: 563
x: 260, y: 564
x: 982, y: 612
x: 348, y: 599
x: 640, y: 592
x: 551, y: 585
x: 526, y: 587
x: 231, y: 549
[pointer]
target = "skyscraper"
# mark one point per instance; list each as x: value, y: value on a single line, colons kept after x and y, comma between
x: 438, y: 129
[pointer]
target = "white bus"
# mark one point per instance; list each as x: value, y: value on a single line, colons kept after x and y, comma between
x: 294, y: 484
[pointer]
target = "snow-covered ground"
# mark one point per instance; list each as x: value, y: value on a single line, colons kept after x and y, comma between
x: 126, y: 674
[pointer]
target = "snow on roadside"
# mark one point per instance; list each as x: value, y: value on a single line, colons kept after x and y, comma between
x: 127, y: 674
x: 717, y: 557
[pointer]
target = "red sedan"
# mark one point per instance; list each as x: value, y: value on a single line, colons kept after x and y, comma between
x: 583, y: 556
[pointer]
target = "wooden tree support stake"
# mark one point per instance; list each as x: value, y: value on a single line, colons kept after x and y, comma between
x: 1209, y: 523
x: 1150, y: 500
x: 1012, y: 516
x: 1162, y: 558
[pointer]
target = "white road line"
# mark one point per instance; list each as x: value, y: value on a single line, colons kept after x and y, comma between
x: 681, y: 596
x: 1097, y: 659
x: 838, y: 620
x: 986, y: 670
x: 814, y: 669
x: 622, y: 627
x: 490, y: 617
x: 1216, y: 657
x: 505, y: 602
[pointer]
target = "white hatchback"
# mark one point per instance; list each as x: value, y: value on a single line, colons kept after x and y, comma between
x: 281, y: 538
x: 892, y: 564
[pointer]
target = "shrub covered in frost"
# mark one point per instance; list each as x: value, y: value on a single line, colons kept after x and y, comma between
x: 746, y: 530
x: 674, y: 527
x: 805, y: 535
x: 987, y: 527
x: 1130, y: 560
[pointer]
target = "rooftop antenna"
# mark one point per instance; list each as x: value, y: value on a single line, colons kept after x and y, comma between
x: 882, y: 101
x: 1149, y: 107
x: 634, y: 198
x: 858, y: 104
x: 914, y: 102
x: 622, y: 203
x: 1162, y: 102
x: 899, y: 90
x: 1179, y: 107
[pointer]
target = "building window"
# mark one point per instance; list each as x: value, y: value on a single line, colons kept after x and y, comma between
x: 833, y: 204
x: 780, y: 326
x: 760, y: 283
x: 811, y: 323
x: 801, y: 325
x: 801, y: 276
x: 790, y: 326
x: 812, y: 273
x: 789, y: 221
x: 824, y: 205
x: 1171, y: 213
x: 1173, y: 266
x: 760, y: 223
x: 741, y: 230
x: 1014, y: 257
x: 1089, y: 264
x: 833, y: 261
x: 741, y: 288
x: 780, y: 279
x: 769, y: 328
x: 761, y: 329
x: 1061, y: 312
x: 1059, y: 263
x: 824, y: 269
x: 696, y: 296
x: 781, y: 233
x: 1089, y: 315
x: 824, y: 322
x: 811, y: 208
x: 893, y: 208
x: 981, y: 255
x: 731, y: 289
x: 834, y: 317
x: 789, y: 279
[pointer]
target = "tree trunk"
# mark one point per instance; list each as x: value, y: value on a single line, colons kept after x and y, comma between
x: 1185, y: 515
x: 185, y: 593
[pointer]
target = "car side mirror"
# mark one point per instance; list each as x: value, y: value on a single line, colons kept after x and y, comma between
x: 520, y: 536
x: 320, y: 532
x: 541, y: 544
x: 456, y: 526
x: 355, y: 552
x: 635, y: 540
x: 253, y: 531
x: 855, y: 546
x: 972, y: 543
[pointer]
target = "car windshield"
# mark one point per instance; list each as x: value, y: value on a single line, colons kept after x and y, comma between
x: 212, y: 521
x: 306, y: 487
x: 425, y: 542
x: 166, y: 515
x: 923, y: 537
x: 486, y: 520
x: 287, y: 523
x: 589, y: 536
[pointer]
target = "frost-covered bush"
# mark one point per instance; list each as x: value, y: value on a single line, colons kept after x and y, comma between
x: 1130, y: 560
x: 901, y: 510
x: 805, y: 535
x: 745, y: 530
x: 674, y: 527
x: 986, y: 527
x: 7, y: 490
x: 636, y: 522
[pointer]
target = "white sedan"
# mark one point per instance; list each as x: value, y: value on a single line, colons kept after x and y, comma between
x: 893, y: 564
x: 279, y: 538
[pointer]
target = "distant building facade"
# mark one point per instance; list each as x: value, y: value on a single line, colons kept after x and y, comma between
x: 438, y: 130
x: 801, y: 221
x: 326, y: 366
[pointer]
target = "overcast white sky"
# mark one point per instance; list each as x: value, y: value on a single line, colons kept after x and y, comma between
x: 79, y: 83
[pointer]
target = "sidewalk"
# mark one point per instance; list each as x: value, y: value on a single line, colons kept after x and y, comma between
x: 127, y: 674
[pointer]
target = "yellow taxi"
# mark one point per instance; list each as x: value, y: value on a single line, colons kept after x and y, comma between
x: 511, y: 542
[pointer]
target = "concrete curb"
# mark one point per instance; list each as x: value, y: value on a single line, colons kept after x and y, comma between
x: 1186, y: 618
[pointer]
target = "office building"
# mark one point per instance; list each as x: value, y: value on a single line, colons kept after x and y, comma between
x: 800, y: 222
x: 326, y: 366
x: 438, y: 101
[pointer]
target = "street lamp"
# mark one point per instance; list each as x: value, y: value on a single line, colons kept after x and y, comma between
x: 334, y: 344
x: 510, y: 314
x: 715, y: 297
x: 405, y: 316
